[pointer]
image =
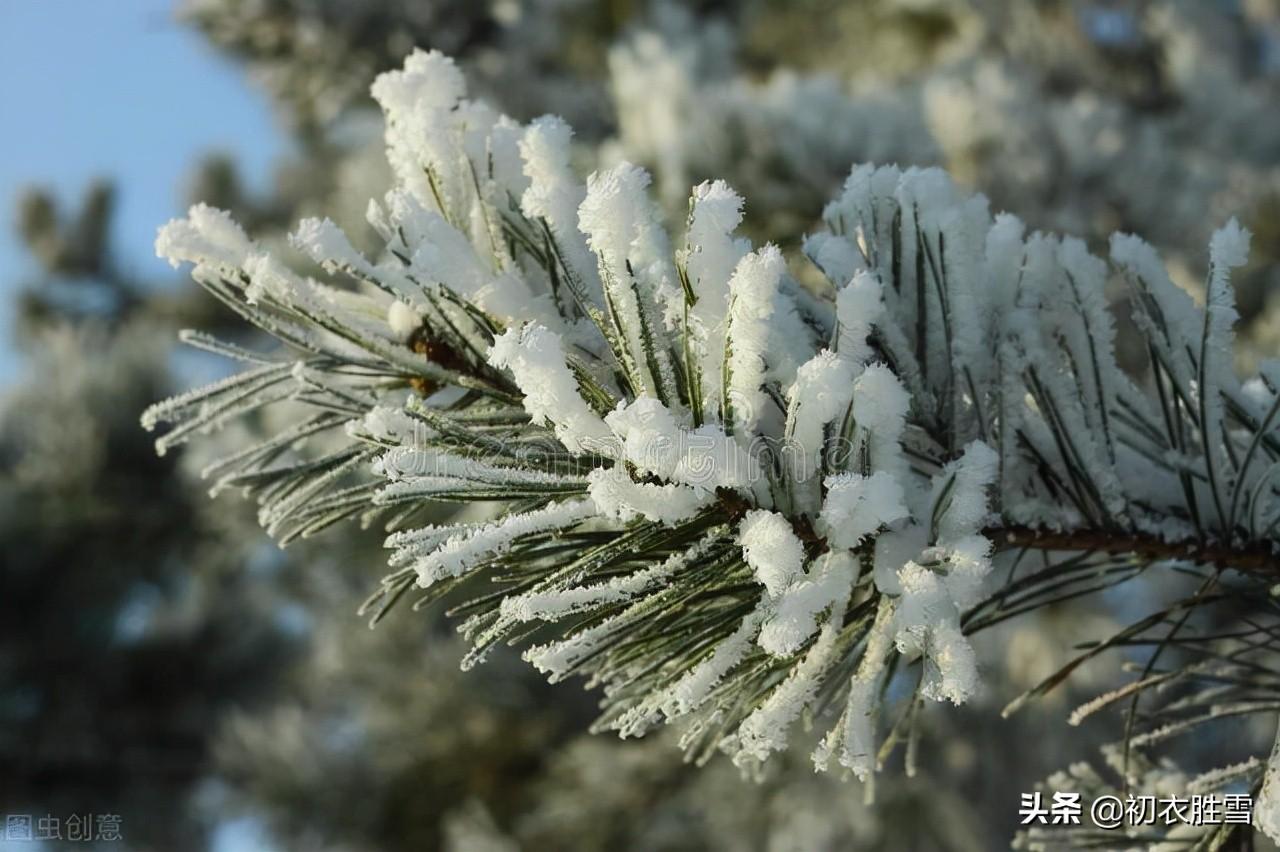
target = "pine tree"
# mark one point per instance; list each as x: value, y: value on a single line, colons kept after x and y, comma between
x: 725, y: 499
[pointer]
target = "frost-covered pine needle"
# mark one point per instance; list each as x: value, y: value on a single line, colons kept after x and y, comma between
x: 719, y: 496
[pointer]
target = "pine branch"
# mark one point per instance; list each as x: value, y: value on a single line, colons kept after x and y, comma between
x: 723, y: 502
x: 1257, y: 558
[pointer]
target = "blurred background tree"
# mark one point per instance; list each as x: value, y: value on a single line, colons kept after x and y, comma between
x: 128, y: 626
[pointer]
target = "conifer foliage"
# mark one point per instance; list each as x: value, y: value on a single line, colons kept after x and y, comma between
x: 728, y: 499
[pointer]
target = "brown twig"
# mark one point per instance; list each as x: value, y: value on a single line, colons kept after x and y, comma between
x: 1257, y: 558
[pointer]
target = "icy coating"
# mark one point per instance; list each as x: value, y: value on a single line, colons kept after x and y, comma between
x: 724, y: 498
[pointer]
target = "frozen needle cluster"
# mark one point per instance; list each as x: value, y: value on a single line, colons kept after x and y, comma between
x: 726, y: 499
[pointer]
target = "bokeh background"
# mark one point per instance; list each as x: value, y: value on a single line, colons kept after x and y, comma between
x: 162, y: 661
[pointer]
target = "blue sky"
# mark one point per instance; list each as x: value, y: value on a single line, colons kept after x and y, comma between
x: 116, y: 89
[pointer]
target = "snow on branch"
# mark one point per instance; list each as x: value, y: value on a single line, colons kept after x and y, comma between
x: 716, y: 506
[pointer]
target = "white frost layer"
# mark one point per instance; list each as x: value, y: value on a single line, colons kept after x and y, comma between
x: 858, y: 308
x: 535, y: 356
x: 461, y: 552
x: 853, y: 738
x: 550, y: 605
x: 616, y: 495
x: 753, y: 292
x: 555, y: 194
x: 207, y: 237
x: 771, y: 548
x: 692, y: 690
x: 652, y: 439
x: 711, y: 254
x: 795, y: 619
x: 817, y: 402
x: 857, y: 506
x: 927, y: 624
x: 880, y: 405
x: 622, y: 226
x: 966, y: 499
x: 765, y: 730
